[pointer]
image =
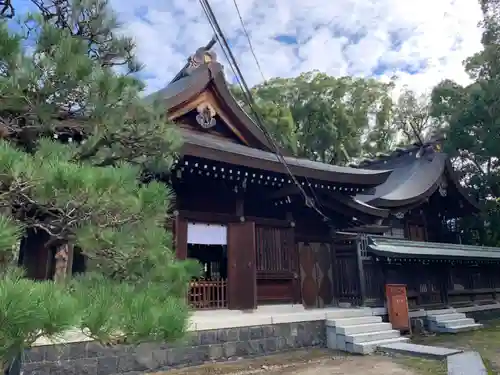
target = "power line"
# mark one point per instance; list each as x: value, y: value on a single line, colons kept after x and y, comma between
x: 250, y: 44
x: 246, y: 92
x: 249, y: 40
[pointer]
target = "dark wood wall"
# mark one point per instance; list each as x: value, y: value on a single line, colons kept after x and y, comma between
x: 277, y: 264
x: 262, y: 258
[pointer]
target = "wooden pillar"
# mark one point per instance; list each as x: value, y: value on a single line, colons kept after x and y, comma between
x: 242, y: 275
x: 361, y: 271
x: 294, y: 256
x: 385, y: 279
x: 180, y: 237
x: 444, y: 282
x: 240, y: 208
x: 333, y: 257
x: 63, y: 262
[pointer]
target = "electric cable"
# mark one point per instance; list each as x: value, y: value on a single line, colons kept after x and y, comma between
x: 250, y: 44
x: 246, y: 92
x: 249, y: 40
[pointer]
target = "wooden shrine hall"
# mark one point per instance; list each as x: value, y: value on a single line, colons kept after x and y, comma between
x: 240, y: 213
x: 238, y: 210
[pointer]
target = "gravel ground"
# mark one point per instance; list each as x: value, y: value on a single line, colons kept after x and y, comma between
x: 312, y: 362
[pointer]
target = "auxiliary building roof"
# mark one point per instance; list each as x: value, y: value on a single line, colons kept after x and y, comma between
x: 392, y: 247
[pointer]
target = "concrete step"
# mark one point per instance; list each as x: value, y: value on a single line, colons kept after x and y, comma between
x: 442, y: 317
x: 347, y: 313
x: 363, y: 328
x: 370, y: 346
x: 457, y: 329
x: 343, y: 322
x: 441, y: 312
x: 372, y: 336
x: 456, y: 322
x: 426, y: 351
x: 468, y: 363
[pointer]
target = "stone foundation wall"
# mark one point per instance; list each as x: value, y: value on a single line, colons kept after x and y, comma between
x: 199, y: 347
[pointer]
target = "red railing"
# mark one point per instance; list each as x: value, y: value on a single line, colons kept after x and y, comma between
x: 208, y: 294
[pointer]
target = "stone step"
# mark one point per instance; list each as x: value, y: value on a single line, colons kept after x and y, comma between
x: 442, y: 317
x: 372, y: 336
x: 441, y: 312
x: 347, y: 313
x: 458, y: 329
x: 456, y: 322
x: 468, y: 363
x: 370, y: 346
x: 363, y: 328
x: 426, y: 351
x: 342, y: 322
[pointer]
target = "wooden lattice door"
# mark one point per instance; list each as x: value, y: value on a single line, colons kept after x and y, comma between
x: 309, y: 286
x: 324, y: 275
x: 316, y: 274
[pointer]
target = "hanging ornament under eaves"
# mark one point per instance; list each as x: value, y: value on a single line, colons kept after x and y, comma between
x: 443, y: 188
x: 206, y: 116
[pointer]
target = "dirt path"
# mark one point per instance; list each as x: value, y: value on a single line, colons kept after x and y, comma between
x: 314, y: 362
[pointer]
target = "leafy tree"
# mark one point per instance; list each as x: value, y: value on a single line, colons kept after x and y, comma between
x: 412, y: 117
x: 472, y: 113
x: 320, y: 117
x: 78, y: 151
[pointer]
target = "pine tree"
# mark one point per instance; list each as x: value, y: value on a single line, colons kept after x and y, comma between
x: 78, y: 151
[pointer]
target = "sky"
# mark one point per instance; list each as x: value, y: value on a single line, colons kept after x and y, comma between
x: 419, y: 42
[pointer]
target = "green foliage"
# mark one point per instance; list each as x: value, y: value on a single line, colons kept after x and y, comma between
x: 10, y: 233
x: 31, y: 310
x: 324, y: 118
x: 83, y: 187
x: 472, y: 114
x: 412, y: 118
x: 138, y: 312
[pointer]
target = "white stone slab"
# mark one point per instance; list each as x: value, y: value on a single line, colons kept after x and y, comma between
x: 343, y: 322
x: 435, y: 352
x: 444, y: 317
x: 363, y: 328
x: 372, y: 336
x: 371, y: 346
x: 468, y: 363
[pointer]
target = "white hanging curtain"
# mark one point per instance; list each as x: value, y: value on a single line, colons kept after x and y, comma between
x: 206, y: 234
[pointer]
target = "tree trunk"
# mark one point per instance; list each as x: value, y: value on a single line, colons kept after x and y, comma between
x: 14, y: 367
x: 64, y: 263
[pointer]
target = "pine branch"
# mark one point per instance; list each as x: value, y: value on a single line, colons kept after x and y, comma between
x: 7, y: 9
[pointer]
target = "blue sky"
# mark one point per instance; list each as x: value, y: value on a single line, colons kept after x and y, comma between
x: 420, y: 42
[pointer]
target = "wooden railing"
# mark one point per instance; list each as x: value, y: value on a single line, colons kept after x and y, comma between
x: 208, y: 294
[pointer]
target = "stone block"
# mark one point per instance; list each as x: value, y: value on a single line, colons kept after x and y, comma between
x: 208, y: 337
x: 34, y: 354
x: 107, y: 365
x: 341, y: 342
x: 468, y: 363
x: 128, y: 362
x: 227, y: 335
x: 94, y: 349
x: 331, y: 338
x: 77, y: 350
x: 244, y: 334
x: 256, y: 333
x: 87, y: 366
x: 271, y: 344
x: 268, y: 331
x: 54, y: 353
x: 215, y: 352
x: 229, y: 349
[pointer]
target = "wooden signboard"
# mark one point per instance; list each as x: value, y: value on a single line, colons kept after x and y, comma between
x: 397, y: 306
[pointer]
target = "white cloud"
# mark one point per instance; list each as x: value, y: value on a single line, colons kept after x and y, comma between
x: 430, y: 38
